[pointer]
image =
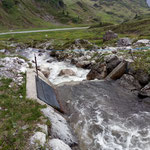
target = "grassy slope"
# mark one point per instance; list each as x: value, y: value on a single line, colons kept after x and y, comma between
x: 15, y: 114
x: 112, y: 11
x: 28, y: 14
x: 38, y: 13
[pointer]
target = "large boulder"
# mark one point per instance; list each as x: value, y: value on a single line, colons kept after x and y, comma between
x: 84, y: 64
x: 145, y: 92
x: 124, y: 42
x: 112, y: 61
x: 129, y: 82
x: 142, y: 76
x: 97, y: 72
x: 67, y: 72
x: 109, y: 35
x: 59, y: 127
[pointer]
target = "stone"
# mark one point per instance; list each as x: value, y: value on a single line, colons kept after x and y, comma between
x: 74, y: 61
x: 142, y: 77
x: 43, y: 128
x: 39, y: 138
x: 145, y: 92
x: 129, y: 82
x: 59, y: 127
x: 109, y: 35
x: 97, y: 72
x: 45, y: 71
x: 118, y: 71
x: 143, y: 41
x: 67, y: 72
x: 83, y: 64
x: 56, y: 144
x: 124, y: 42
x: 112, y: 61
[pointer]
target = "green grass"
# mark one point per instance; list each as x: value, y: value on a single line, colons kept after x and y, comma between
x: 15, y: 113
x: 142, y: 60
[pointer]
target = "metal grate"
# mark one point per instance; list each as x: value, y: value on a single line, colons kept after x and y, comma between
x: 46, y: 93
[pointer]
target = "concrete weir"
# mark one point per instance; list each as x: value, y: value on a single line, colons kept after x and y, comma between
x: 41, y: 89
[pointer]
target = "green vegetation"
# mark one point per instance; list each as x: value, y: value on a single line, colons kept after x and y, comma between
x: 15, y: 14
x: 18, y: 116
x: 142, y: 61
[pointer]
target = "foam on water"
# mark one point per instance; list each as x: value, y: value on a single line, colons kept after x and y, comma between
x: 55, y: 66
x: 104, y: 130
x: 99, y: 128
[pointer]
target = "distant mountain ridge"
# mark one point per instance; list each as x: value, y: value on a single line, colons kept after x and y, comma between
x: 43, y: 13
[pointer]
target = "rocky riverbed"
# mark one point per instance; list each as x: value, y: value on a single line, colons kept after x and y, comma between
x: 106, y: 113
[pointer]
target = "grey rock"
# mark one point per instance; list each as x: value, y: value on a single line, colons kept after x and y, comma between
x: 67, y: 72
x: 98, y: 71
x: 129, y: 82
x: 56, y: 144
x: 112, y: 61
x: 145, y: 92
x: 38, y: 138
x: 109, y: 35
x: 142, y: 77
x: 83, y: 64
x: 124, y: 42
x: 59, y: 127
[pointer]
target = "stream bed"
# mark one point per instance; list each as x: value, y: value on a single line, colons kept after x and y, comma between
x: 103, y: 115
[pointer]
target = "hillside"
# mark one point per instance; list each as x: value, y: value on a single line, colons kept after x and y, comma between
x: 106, y: 10
x: 45, y: 13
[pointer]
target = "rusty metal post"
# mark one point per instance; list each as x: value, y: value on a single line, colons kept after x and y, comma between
x: 36, y: 65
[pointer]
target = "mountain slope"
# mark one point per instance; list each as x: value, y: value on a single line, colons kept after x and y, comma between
x: 107, y: 10
x: 44, y: 13
x: 25, y: 13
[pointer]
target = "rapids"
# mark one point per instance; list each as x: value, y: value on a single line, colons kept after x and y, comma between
x: 54, y: 66
x: 103, y: 115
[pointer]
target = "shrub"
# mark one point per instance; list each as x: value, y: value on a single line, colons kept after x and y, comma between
x: 8, y: 3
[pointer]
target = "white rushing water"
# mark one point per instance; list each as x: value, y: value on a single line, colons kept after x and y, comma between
x: 95, y: 122
x: 99, y: 127
x: 55, y: 66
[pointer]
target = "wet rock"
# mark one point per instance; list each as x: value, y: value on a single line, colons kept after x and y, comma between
x: 74, y: 61
x: 145, y: 92
x: 56, y: 144
x: 129, y: 82
x: 55, y: 54
x: 142, y: 77
x: 124, y: 42
x: 50, y: 61
x: 45, y: 71
x: 118, y: 71
x: 83, y: 64
x: 59, y: 127
x: 38, y: 138
x: 98, y: 71
x: 109, y: 35
x: 67, y: 72
x: 112, y: 61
